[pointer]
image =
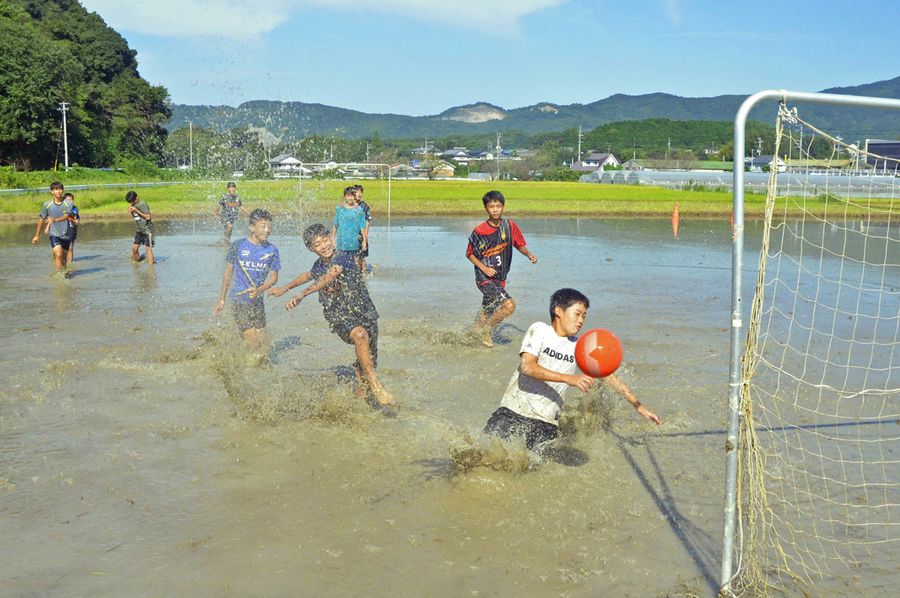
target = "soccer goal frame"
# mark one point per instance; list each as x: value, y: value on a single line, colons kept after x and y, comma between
x: 737, y: 324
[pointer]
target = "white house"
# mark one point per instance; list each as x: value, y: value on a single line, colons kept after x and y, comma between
x: 286, y: 165
x: 596, y: 161
x: 761, y: 163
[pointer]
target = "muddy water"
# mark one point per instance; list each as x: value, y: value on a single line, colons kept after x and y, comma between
x: 141, y: 454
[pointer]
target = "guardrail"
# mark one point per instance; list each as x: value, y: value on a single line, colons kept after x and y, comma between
x: 101, y: 186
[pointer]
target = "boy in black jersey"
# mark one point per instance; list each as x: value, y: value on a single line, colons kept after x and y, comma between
x: 490, y: 251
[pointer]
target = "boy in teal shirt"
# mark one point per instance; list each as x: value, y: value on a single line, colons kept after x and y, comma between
x: 349, y: 224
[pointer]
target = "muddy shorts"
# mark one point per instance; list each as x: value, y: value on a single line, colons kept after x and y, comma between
x: 345, y: 327
x: 495, y: 295
x: 506, y: 424
x: 249, y: 315
x: 64, y: 243
x: 144, y: 239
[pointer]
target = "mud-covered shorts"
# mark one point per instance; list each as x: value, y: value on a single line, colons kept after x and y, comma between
x: 64, y: 243
x: 144, y: 239
x: 506, y: 423
x: 249, y: 315
x: 495, y: 295
x: 345, y: 327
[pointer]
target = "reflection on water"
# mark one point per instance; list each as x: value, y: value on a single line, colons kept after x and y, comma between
x: 140, y: 452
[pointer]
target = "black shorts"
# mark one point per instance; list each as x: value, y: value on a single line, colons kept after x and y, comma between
x: 249, y: 315
x: 229, y: 222
x: 364, y: 252
x: 506, y: 423
x: 345, y: 327
x: 495, y: 295
x: 64, y: 243
x: 144, y: 239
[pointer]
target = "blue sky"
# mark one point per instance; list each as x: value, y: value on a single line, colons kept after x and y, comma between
x: 421, y: 57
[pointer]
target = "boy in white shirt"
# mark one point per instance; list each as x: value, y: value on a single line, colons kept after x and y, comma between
x: 532, y: 403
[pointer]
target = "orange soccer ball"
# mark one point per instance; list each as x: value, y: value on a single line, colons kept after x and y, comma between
x: 598, y: 353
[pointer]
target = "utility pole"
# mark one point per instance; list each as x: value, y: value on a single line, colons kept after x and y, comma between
x: 367, y: 152
x: 759, y: 146
x: 63, y: 106
x: 191, y: 144
x: 668, y: 149
x: 579, y: 142
x: 498, y: 156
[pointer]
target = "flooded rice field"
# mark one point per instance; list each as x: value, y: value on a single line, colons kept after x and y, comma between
x: 142, y: 453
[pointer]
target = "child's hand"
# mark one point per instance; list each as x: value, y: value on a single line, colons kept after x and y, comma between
x: 277, y: 291
x: 47, y: 228
x: 34, y: 240
x: 582, y: 382
x: 533, y: 258
x: 294, y: 302
x: 644, y: 412
x: 220, y: 306
x: 489, y: 272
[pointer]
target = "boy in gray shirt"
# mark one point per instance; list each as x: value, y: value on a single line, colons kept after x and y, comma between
x: 56, y: 212
x: 140, y: 211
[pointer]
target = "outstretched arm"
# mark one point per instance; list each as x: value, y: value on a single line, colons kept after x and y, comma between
x: 618, y: 385
x: 315, y: 287
x: 279, y: 291
x: 528, y: 365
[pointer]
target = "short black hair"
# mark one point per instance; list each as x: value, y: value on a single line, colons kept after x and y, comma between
x: 67, y: 195
x: 493, y: 196
x: 358, y: 187
x: 131, y: 196
x: 230, y: 184
x: 313, y: 232
x: 259, y: 214
x: 566, y: 298
x: 56, y: 185
x: 351, y: 190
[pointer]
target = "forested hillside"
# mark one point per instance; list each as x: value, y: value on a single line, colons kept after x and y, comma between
x: 289, y: 121
x: 56, y: 51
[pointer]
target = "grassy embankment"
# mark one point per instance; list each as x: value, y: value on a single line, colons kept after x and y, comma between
x: 408, y: 198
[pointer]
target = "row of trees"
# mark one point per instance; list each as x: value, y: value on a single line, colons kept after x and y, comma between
x: 54, y: 51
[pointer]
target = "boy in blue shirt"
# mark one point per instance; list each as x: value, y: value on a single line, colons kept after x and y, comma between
x: 253, y: 263
x: 364, y: 237
x: 346, y: 305
x: 349, y: 224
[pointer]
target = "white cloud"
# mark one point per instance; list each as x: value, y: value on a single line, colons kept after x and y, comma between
x: 251, y: 18
x: 193, y: 18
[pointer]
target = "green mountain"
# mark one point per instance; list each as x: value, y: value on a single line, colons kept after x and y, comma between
x: 289, y: 121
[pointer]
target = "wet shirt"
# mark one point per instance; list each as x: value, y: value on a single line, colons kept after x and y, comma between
x: 346, y: 299
x: 51, y: 209
x: 143, y: 226
x: 252, y: 264
x: 349, y: 223
x: 494, y: 248
x: 535, y: 398
x: 230, y: 207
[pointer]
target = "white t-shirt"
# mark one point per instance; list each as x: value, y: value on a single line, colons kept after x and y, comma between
x: 535, y: 398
